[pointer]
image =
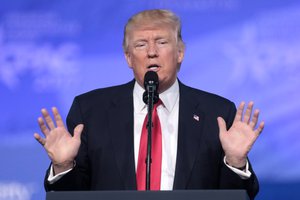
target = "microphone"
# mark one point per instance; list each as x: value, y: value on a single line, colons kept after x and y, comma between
x: 151, y: 86
x: 150, y: 97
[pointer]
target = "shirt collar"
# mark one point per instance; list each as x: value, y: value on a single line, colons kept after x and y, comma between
x: 168, y: 97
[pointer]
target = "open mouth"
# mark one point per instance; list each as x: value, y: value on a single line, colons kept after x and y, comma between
x: 153, y: 67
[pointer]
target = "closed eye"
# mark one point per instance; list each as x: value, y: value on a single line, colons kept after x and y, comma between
x: 140, y: 45
x: 162, y: 41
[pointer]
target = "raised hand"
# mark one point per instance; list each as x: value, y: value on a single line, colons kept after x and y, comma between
x: 59, y: 144
x: 239, y: 139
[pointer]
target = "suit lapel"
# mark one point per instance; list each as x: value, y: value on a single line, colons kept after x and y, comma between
x: 121, y: 129
x: 189, y: 133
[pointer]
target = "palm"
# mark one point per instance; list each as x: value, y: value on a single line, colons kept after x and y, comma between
x: 61, y: 146
x: 239, y: 139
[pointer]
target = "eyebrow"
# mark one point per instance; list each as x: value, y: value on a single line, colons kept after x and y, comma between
x: 140, y: 40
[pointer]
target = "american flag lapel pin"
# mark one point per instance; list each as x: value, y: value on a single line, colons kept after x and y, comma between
x: 196, y: 117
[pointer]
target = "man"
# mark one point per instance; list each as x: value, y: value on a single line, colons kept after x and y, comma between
x: 197, y: 150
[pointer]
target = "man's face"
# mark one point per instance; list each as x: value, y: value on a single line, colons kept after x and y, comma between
x: 154, y: 46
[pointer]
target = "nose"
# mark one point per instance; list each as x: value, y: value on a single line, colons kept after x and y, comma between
x: 152, y: 51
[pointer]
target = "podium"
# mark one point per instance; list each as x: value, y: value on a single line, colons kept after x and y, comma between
x: 149, y: 195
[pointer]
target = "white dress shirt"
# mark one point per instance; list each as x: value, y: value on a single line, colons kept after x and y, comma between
x: 168, y: 116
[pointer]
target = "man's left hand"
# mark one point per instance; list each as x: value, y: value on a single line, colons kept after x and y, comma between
x: 239, y: 139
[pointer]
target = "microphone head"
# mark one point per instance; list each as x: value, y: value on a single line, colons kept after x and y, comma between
x: 151, y: 79
x: 151, y: 86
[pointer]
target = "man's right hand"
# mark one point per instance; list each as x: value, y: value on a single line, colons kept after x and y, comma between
x: 59, y: 144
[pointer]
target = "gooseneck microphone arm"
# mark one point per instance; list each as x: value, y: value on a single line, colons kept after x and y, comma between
x: 150, y: 97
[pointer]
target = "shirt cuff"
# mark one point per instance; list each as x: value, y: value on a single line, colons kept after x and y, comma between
x: 243, y: 174
x: 52, y: 179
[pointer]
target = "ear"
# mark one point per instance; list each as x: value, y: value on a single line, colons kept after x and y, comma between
x: 128, y: 59
x: 180, y: 54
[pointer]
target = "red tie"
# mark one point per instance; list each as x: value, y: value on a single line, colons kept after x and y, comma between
x: 156, y: 153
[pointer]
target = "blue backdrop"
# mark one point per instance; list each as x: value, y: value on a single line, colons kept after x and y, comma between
x: 51, y: 51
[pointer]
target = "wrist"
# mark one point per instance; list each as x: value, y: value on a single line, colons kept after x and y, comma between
x: 236, y: 163
x: 64, y: 166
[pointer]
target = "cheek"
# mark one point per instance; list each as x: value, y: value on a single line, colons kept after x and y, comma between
x: 137, y: 60
x: 139, y: 72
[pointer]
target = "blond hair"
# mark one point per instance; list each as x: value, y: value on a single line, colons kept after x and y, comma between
x: 152, y: 18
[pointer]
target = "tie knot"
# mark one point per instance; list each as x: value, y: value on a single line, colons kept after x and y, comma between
x: 157, y: 104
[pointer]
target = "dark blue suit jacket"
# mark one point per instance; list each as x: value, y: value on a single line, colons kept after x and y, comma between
x: 106, y: 156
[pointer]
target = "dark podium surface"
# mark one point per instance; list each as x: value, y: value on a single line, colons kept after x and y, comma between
x: 149, y: 195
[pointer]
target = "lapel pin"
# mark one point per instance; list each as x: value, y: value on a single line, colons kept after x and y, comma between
x: 196, y: 117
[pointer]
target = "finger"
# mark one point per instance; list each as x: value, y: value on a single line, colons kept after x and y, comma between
x: 43, y: 126
x: 260, y: 128
x: 57, y: 117
x: 48, y: 119
x: 254, y: 119
x: 77, y: 131
x: 248, y: 112
x: 239, y: 112
x: 222, y: 125
x: 41, y: 140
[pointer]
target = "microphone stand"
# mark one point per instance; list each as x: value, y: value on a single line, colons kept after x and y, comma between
x: 150, y: 95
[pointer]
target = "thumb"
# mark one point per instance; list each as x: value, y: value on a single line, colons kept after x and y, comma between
x: 77, y: 131
x: 222, y: 125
